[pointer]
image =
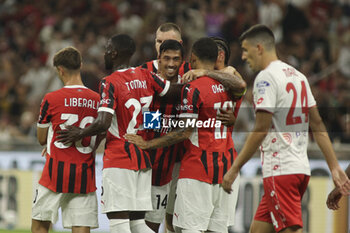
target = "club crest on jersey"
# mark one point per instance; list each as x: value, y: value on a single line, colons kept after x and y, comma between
x: 151, y: 120
x: 262, y: 84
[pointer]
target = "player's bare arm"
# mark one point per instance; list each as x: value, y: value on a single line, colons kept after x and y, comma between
x: 42, y: 135
x: 167, y: 140
x: 73, y: 133
x: 254, y: 140
x: 320, y: 134
x: 235, y: 84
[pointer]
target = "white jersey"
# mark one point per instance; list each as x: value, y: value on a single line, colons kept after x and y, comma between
x: 285, y: 92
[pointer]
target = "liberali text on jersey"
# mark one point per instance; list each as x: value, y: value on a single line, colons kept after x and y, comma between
x: 81, y: 102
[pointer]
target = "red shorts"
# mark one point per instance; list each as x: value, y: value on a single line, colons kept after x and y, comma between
x: 281, y: 202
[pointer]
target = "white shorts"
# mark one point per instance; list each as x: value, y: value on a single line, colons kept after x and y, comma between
x: 201, y: 206
x: 77, y: 209
x: 159, y: 203
x: 172, y: 192
x: 126, y: 190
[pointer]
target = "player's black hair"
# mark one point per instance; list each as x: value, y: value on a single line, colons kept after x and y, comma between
x: 124, y: 45
x: 171, y: 45
x: 69, y: 58
x: 205, y: 49
x: 223, y: 45
x: 259, y: 34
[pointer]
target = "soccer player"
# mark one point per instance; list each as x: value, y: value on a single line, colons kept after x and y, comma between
x: 163, y: 159
x: 222, y: 64
x: 285, y: 107
x: 334, y: 196
x: 68, y: 178
x: 125, y: 94
x: 166, y: 31
x: 201, y: 205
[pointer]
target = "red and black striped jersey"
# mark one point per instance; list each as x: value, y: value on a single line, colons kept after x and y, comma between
x: 210, y: 149
x: 127, y: 94
x: 163, y: 159
x: 69, y: 168
x: 153, y: 66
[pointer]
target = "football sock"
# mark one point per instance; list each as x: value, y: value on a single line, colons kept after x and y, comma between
x: 119, y: 226
x: 139, y: 226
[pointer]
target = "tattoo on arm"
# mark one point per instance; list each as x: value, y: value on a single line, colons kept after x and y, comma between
x: 233, y: 83
x: 171, y: 138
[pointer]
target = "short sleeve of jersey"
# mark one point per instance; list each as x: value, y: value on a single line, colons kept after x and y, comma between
x: 264, y: 92
x: 191, y: 102
x: 108, y: 99
x: 45, y: 115
x: 160, y: 85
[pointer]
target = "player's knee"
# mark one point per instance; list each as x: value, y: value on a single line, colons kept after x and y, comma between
x: 40, y: 227
x: 292, y: 229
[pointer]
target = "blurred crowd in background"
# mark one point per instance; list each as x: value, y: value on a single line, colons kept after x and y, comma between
x: 312, y: 35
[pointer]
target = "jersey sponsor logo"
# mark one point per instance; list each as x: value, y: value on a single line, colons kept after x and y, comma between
x: 260, y: 100
x: 262, y: 84
x: 151, y: 120
x: 184, y: 107
x: 217, y: 88
x: 105, y: 101
x: 261, y: 90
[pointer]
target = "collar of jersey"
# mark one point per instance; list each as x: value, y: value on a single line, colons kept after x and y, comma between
x: 155, y: 63
x: 75, y: 86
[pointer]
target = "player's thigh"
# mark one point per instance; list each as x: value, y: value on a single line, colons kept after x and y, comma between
x: 80, y: 210
x: 46, y: 204
x: 126, y: 190
x: 80, y: 229
x: 284, y: 194
x: 172, y: 191
x: 159, y: 203
x: 194, y: 204
x: 261, y: 227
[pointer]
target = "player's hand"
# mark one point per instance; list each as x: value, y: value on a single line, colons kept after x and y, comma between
x: 226, y: 117
x: 341, y: 180
x: 137, y: 140
x: 71, y: 134
x: 229, y: 178
x: 193, y: 75
x: 228, y: 70
x: 333, y: 199
x: 44, y: 152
